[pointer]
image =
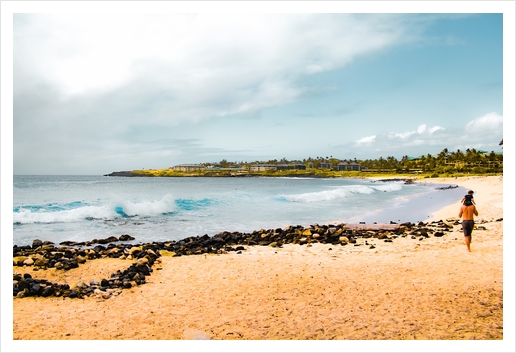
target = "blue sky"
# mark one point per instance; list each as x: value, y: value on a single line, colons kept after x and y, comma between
x: 100, y: 92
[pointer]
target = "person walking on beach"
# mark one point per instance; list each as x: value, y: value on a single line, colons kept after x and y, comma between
x: 468, y: 199
x: 467, y: 212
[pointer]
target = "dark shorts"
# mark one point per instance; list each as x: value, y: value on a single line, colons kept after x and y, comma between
x: 467, y: 227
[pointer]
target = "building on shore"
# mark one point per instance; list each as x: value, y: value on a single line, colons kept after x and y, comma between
x: 290, y: 167
x: 224, y: 169
x: 266, y: 167
x: 347, y: 165
x: 188, y: 167
x: 262, y: 167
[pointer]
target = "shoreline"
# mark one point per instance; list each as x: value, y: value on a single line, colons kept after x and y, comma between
x: 302, y: 293
x: 412, y: 208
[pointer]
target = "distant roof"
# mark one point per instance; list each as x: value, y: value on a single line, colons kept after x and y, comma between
x: 413, y: 158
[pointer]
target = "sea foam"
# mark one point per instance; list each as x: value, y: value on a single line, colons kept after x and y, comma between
x: 341, y: 192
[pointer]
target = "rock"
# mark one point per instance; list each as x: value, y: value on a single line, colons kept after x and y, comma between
x: 82, y: 284
x: 23, y: 284
x: 68, y: 243
x: 28, y: 262
x: 384, y: 235
x: 125, y: 237
x: 166, y: 253
x: 344, y: 240
x: 41, y: 262
x: 36, y: 243
x: 142, y: 261
x: 438, y: 234
x: 307, y: 232
x: 69, y: 264
x: 18, y: 260
x: 135, y: 249
x: 48, y: 291
x: 113, y: 251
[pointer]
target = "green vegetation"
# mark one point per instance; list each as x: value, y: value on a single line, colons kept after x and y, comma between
x: 444, y: 164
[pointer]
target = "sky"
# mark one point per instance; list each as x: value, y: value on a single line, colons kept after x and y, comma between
x: 100, y: 91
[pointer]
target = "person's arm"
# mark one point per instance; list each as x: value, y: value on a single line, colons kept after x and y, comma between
x: 475, y: 211
x: 460, y: 212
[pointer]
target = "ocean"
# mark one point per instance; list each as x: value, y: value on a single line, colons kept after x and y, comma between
x: 83, y: 208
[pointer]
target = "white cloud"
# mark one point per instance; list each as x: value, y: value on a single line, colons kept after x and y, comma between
x: 486, y: 123
x: 402, y: 135
x: 197, y: 65
x: 422, y: 129
x: 481, y: 133
x: 434, y: 129
x: 366, y: 140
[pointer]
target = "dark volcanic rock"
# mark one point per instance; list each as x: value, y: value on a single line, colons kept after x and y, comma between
x: 447, y: 187
x: 36, y: 243
x: 127, y: 174
x: 125, y: 237
x: 143, y: 256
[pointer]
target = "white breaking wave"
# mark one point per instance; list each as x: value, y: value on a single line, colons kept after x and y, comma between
x: 388, y: 187
x: 149, y: 208
x: 341, y: 192
x: 78, y: 214
x: 107, y: 211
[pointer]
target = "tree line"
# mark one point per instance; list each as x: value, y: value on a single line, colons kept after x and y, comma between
x: 445, y: 162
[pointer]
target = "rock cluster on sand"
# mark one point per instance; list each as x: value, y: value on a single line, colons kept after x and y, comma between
x: 68, y: 255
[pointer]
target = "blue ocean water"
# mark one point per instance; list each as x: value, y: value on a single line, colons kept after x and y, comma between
x: 82, y: 208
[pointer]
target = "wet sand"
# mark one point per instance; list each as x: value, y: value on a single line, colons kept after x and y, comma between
x: 408, y: 290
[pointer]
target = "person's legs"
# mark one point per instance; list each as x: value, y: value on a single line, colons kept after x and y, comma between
x: 467, y: 227
x: 467, y: 240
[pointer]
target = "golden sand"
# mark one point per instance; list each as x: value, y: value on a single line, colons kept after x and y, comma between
x: 410, y: 289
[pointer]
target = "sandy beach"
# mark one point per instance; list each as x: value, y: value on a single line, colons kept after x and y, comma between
x: 409, y: 289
